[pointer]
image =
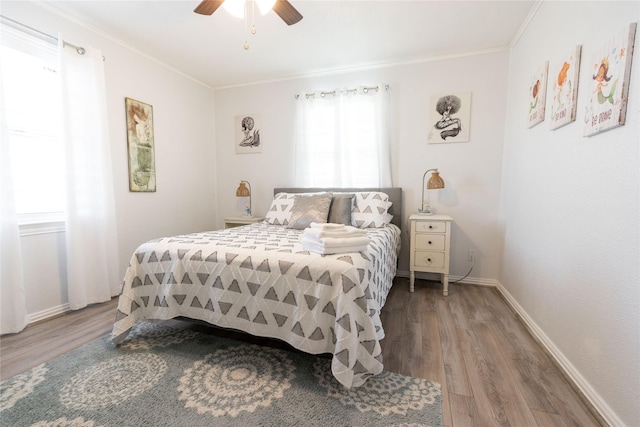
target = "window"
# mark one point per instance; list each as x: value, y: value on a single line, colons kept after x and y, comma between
x: 32, y: 100
x: 342, y: 139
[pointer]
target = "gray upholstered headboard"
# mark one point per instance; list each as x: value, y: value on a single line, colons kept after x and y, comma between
x: 394, y: 193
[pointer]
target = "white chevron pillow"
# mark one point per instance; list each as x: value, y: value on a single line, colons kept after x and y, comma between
x: 371, y: 210
x: 280, y: 211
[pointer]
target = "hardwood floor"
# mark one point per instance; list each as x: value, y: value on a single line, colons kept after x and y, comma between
x: 51, y: 338
x: 493, y: 373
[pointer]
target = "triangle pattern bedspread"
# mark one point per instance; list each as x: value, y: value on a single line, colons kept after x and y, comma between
x: 258, y: 279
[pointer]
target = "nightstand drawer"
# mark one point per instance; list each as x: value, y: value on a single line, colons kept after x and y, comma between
x: 429, y: 247
x: 431, y: 227
x: 430, y: 242
x: 429, y: 259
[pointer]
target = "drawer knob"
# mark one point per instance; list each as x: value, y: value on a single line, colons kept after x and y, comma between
x: 430, y: 227
x: 429, y: 259
x: 430, y: 242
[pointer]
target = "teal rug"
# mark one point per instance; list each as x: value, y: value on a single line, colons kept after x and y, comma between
x: 162, y: 376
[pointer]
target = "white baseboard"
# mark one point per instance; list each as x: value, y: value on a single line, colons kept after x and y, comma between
x: 477, y: 281
x: 48, y: 313
x: 570, y: 371
x: 572, y: 374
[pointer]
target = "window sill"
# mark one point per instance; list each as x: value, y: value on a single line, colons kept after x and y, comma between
x: 31, y: 225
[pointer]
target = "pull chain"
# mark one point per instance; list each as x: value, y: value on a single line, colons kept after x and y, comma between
x: 253, y: 20
x: 246, y: 25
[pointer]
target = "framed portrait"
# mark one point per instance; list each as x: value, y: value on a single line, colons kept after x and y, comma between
x: 247, y: 134
x: 565, y: 76
x: 141, y: 146
x: 610, y: 72
x: 538, y: 95
x: 449, y: 118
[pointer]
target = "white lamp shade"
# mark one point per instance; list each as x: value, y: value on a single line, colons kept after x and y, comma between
x: 265, y: 5
x: 237, y: 7
x: 234, y: 7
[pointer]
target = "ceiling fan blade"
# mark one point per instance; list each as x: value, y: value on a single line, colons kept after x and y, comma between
x: 207, y: 7
x: 287, y: 12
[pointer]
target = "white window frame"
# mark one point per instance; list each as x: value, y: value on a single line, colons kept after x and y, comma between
x: 37, y: 45
x: 349, y: 129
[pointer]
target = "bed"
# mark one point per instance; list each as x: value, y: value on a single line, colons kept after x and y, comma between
x: 259, y: 279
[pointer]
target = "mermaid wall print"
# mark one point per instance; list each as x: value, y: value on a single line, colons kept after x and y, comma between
x: 538, y: 95
x: 248, y: 134
x: 450, y: 118
x: 141, y: 146
x: 565, y: 89
x: 609, y: 83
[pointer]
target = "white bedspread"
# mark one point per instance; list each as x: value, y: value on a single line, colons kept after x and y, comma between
x: 258, y: 279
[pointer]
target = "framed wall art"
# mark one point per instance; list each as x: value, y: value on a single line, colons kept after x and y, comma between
x: 449, y: 118
x: 609, y: 81
x: 565, y: 75
x: 248, y: 138
x: 141, y: 146
x: 538, y: 95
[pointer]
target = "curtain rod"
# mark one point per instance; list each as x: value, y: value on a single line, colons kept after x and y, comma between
x: 334, y: 92
x: 79, y: 49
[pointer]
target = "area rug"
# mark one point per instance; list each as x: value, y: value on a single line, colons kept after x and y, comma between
x: 163, y: 376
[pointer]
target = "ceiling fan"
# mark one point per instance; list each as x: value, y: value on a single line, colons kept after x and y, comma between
x: 282, y: 8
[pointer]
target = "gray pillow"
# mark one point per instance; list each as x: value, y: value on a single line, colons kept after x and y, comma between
x: 340, y: 210
x: 308, y: 209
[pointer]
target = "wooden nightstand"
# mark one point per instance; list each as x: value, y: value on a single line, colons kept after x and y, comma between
x: 237, y: 221
x: 430, y: 247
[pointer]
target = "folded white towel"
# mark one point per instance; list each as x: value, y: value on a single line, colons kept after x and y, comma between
x: 347, y: 231
x: 326, y: 225
x: 312, y: 246
x: 332, y: 242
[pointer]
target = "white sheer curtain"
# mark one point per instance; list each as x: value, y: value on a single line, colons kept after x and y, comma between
x: 342, y: 138
x: 13, y: 310
x: 92, y: 254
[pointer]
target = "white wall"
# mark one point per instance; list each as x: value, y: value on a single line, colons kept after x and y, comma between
x: 570, y: 212
x: 553, y: 219
x: 471, y: 170
x: 185, y: 155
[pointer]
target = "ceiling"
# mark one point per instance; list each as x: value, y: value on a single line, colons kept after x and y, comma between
x: 334, y: 35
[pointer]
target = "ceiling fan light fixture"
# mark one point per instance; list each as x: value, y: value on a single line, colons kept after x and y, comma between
x: 282, y: 8
x: 234, y: 7
x: 265, y: 5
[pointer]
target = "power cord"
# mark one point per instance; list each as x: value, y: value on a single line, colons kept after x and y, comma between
x: 473, y: 263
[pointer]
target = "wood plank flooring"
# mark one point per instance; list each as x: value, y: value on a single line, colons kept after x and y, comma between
x: 54, y: 337
x: 493, y: 373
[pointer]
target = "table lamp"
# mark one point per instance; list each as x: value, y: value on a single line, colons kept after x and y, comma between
x: 243, y: 191
x: 435, y: 182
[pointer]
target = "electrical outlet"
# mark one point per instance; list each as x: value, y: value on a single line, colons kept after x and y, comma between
x: 471, y: 255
